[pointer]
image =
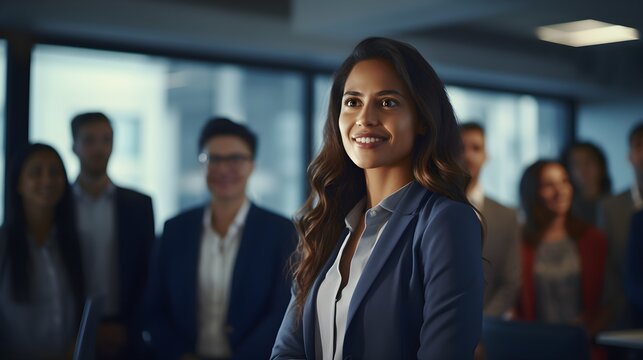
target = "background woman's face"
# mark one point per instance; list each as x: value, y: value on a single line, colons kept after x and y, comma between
x: 42, y: 180
x: 554, y: 189
x: 585, y: 169
x: 377, y: 120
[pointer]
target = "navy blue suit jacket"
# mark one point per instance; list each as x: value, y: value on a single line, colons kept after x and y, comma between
x: 135, y: 234
x: 259, y: 291
x: 420, y: 294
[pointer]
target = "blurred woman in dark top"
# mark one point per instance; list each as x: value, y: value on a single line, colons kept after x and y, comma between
x: 587, y: 166
x: 41, y: 285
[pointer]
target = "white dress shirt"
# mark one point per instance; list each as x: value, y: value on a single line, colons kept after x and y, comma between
x: 45, y: 325
x: 636, y: 196
x: 97, y: 232
x: 216, y: 266
x: 332, y: 304
x: 476, y: 196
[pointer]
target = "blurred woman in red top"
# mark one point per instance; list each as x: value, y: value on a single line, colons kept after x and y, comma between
x: 563, y: 258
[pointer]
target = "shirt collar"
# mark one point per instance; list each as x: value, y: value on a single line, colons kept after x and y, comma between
x: 389, y: 204
x: 476, y: 196
x: 48, y: 244
x: 109, y: 191
x: 238, y: 221
x: 636, y: 196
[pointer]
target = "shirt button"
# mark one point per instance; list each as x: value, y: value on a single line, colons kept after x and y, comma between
x: 373, y: 213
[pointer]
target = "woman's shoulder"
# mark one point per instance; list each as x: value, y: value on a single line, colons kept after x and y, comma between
x: 593, y: 234
x: 440, y: 213
x: 438, y: 206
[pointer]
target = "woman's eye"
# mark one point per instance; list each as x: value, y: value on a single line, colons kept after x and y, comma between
x: 389, y: 103
x: 351, y: 102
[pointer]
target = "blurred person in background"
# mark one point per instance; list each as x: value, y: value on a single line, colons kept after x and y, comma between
x: 563, y: 257
x: 587, y: 167
x: 218, y: 283
x: 614, y: 219
x: 116, y: 228
x: 634, y: 269
x: 634, y: 279
x: 41, y: 283
x: 500, y: 248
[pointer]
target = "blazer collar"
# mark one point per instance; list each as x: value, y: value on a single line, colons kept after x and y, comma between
x: 399, y: 221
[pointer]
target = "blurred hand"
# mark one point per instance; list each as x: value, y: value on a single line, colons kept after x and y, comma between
x: 480, y: 353
x: 509, y: 315
x: 111, y: 341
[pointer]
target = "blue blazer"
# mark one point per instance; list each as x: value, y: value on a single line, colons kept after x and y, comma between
x: 259, y: 290
x: 420, y: 294
x: 634, y: 268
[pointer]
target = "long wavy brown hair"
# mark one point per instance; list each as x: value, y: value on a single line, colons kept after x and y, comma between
x: 337, y: 184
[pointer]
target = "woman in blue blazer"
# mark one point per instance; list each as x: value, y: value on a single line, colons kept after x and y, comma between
x: 389, y: 262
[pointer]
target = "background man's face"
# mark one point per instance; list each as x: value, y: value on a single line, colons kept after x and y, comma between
x: 93, y: 146
x: 227, y: 177
x: 473, y: 151
x: 636, y: 154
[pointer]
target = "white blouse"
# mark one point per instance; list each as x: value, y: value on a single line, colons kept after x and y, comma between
x: 332, y: 304
x: 216, y: 266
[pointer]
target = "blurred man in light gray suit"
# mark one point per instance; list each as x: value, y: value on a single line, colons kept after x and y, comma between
x: 614, y: 216
x: 503, y: 266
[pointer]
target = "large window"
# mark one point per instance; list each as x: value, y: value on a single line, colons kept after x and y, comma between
x: 3, y: 81
x: 158, y: 106
x: 519, y: 130
x: 322, y: 86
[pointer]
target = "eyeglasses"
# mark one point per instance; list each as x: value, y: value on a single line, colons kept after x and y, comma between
x: 233, y: 159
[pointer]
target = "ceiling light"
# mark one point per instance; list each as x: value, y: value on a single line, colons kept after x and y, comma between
x: 585, y: 33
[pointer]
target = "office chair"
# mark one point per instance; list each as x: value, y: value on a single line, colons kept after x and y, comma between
x: 515, y: 340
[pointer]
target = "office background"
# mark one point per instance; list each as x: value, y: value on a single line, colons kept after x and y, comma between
x: 160, y: 68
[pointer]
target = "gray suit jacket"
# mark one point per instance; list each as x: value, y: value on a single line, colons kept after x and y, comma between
x: 614, y: 215
x: 503, y: 265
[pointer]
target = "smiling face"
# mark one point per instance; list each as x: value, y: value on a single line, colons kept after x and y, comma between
x: 229, y: 167
x: 377, y: 120
x: 554, y: 190
x: 42, y: 181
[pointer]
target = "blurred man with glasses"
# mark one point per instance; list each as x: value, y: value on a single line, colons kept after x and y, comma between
x: 218, y: 287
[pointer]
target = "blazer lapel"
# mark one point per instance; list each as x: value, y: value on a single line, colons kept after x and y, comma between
x: 310, y: 307
x: 120, y: 218
x: 192, y: 231
x: 248, y: 256
x: 390, y: 237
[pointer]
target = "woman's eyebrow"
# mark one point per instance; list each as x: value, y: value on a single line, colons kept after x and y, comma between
x: 380, y: 93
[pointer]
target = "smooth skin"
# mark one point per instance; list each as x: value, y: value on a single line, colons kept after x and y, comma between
x: 378, y: 126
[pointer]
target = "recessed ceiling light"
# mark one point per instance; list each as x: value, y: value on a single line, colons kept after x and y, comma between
x: 585, y: 33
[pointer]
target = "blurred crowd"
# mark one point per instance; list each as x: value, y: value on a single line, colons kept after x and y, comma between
x: 216, y: 283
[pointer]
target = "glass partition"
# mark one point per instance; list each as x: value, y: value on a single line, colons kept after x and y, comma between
x: 158, y: 107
